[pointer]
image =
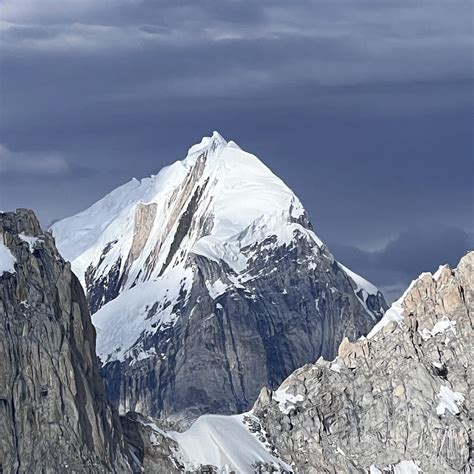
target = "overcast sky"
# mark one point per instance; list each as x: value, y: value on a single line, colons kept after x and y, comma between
x: 364, y: 107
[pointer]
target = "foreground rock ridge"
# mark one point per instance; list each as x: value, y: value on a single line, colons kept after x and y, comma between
x: 403, y: 397
x: 207, y: 282
x: 54, y: 416
x: 399, y: 401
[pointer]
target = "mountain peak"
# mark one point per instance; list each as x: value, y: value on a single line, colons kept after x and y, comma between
x: 211, y: 143
x: 216, y: 247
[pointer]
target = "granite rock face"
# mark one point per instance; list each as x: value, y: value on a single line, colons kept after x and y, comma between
x: 54, y: 416
x: 402, y: 397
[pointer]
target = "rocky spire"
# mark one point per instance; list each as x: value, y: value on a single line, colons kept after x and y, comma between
x: 54, y: 416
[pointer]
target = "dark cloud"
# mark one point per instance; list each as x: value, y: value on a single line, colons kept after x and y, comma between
x: 21, y: 166
x: 311, y: 42
x: 402, y: 259
x: 422, y: 248
x: 363, y: 107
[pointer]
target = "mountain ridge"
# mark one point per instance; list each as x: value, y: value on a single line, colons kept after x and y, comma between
x: 398, y: 401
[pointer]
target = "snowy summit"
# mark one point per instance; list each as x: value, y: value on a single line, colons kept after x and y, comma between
x: 214, y: 239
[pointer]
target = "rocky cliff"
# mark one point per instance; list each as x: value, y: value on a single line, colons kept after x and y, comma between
x: 401, y: 397
x: 54, y: 416
x: 208, y: 282
x: 399, y: 401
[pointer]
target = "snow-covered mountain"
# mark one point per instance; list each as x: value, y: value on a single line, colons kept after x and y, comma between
x: 208, y: 282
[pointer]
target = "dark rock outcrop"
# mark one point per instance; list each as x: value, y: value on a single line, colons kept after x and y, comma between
x: 222, y: 350
x: 155, y: 451
x: 54, y: 416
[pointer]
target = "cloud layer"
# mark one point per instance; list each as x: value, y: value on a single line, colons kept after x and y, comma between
x: 407, y: 255
x: 26, y: 163
x: 267, y: 42
x: 364, y: 107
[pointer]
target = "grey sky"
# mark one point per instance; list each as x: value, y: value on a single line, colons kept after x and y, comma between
x: 364, y: 107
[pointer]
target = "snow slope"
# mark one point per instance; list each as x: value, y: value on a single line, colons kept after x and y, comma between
x: 243, y: 190
x: 224, y: 442
x: 218, y: 202
x: 122, y: 321
x: 7, y: 260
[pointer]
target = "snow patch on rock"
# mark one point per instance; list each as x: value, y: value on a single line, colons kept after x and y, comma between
x: 449, y: 401
x: 121, y: 322
x: 286, y: 401
x: 335, y: 367
x: 439, y: 328
x: 216, y: 289
x: 31, y: 241
x: 361, y: 283
x: 223, y: 442
x: 7, y: 260
x: 403, y: 467
x: 395, y: 312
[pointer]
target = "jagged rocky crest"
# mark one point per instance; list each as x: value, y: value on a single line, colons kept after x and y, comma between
x: 208, y: 282
x: 403, y: 395
x: 54, y: 416
x: 400, y: 401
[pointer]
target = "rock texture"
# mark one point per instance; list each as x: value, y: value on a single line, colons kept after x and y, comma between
x: 399, y: 401
x: 405, y: 395
x: 220, y: 352
x: 155, y: 451
x: 208, y: 282
x: 54, y: 416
